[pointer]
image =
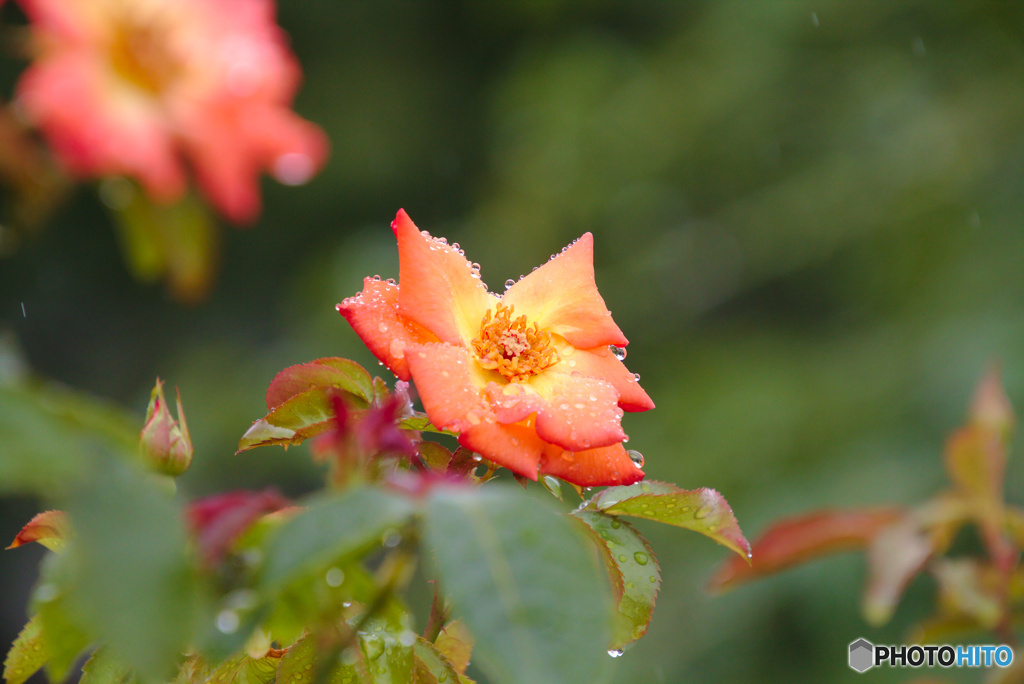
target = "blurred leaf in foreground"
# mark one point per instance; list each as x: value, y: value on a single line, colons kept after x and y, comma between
x: 523, y: 580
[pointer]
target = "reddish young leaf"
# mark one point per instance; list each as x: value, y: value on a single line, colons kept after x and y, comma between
x: 896, y: 554
x: 701, y: 510
x: 218, y: 521
x: 804, y: 538
x: 49, y: 528
x: 338, y: 373
x: 632, y: 569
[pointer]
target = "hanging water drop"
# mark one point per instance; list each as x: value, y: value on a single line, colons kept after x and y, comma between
x: 617, y: 352
x: 636, y: 457
x: 615, y: 652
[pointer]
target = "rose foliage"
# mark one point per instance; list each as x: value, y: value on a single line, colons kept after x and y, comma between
x: 253, y: 587
x: 967, y: 537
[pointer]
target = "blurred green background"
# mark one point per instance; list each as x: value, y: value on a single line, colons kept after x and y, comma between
x: 807, y: 220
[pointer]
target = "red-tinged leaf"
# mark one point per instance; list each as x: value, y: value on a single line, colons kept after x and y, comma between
x: 28, y: 653
x: 432, y: 665
x: 632, y: 569
x: 701, y: 510
x: 295, y: 420
x: 49, y: 528
x: 434, y: 455
x: 456, y: 643
x: 218, y: 521
x: 895, y: 555
x: 336, y: 373
x: 801, y: 539
x: 463, y: 462
x: 967, y: 589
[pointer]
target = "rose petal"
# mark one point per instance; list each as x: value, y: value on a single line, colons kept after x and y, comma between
x: 579, y: 412
x: 606, y: 466
x: 68, y: 96
x: 513, y: 402
x: 601, y: 363
x: 373, y: 314
x: 438, y: 289
x: 449, y: 384
x: 561, y: 297
x: 515, y: 447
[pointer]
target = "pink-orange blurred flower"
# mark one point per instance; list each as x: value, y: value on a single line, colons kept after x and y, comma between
x: 149, y: 88
x: 527, y: 379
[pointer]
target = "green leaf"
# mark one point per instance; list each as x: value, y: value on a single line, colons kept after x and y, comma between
x: 419, y: 421
x: 805, y: 538
x: 28, y: 653
x: 134, y: 583
x: 432, y: 665
x: 62, y: 630
x: 387, y: 651
x: 298, y: 666
x: 701, y: 510
x: 632, y: 569
x: 434, y: 455
x: 333, y: 529
x: 43, y: 430
x: 103, y: 668
x: 242, y: 669
x: 524, y: 580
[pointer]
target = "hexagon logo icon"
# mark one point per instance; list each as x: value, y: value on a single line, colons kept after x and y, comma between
x: 862, y: 655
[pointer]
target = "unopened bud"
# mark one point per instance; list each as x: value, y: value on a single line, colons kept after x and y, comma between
x: 165, y: 443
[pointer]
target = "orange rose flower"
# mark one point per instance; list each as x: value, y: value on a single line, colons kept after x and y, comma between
x: 148, y: 88
x: 527, y: 379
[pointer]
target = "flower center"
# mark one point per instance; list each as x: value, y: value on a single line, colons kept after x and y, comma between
x: 141, y: 51
x: 513, y: 347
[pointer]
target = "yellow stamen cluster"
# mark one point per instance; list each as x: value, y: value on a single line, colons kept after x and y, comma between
x: 512, y: 347
x: 140, y: 51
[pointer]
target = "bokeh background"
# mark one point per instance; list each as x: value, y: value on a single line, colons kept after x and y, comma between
x: 808, y: 221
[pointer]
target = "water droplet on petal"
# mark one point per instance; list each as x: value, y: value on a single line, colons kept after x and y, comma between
x: 509, y: 283
x: 636, y: 457
x: 618, y: 352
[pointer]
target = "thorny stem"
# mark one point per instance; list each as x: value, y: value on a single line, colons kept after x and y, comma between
x: 438, y: 616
